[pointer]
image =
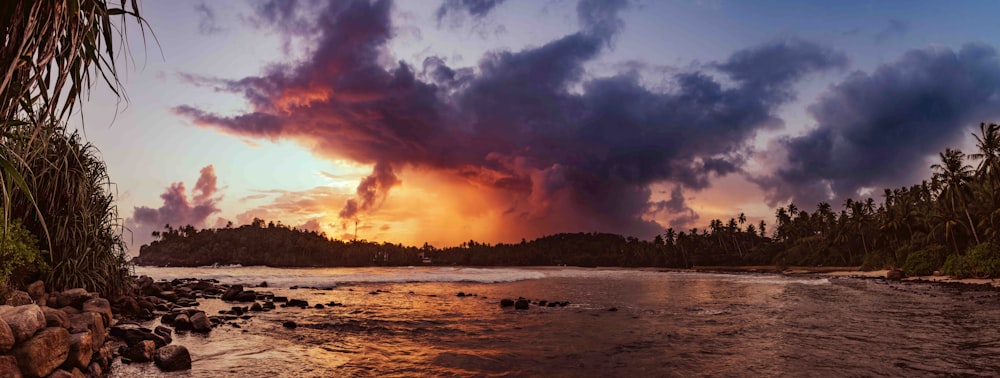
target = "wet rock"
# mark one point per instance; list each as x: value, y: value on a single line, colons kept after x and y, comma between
x: 552, y: 304
x: 100, y: 306
x: 162, y: 331
x: 268, y: 305
x: 521, y: 304
x: 73, y: 297
x: 563, y: 304
x: 246, y: 296
x: 8, y: 367
x: 298, y: 303
x: 460, y: 294
x: 23, y: 321
x: 613, y: 309
x: 81, y: 350
x: 232, y: 292
x: 142, y: 351
x: 263, y: 284
x: 200, y: 322
x: 19, y: 298
x: 506, y: 302
x: 256, y: 307
x: 173, y: 358
x: 168, y: 295
x: 55, y: 318
x: 319, y: 306
x: 289, y: 324
x: 43, y: 353
x: 543, y: 303
x: 182, y: 322
x: 6, y: 337
x: 280, y: 299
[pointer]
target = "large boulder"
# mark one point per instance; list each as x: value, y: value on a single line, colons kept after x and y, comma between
x: 89, y: 321
x: 81, y: 349
x: 142, y: 351
x: 232, y: 292
x: 19, y: 298
x: 43, y: 353
x: 73, y: 297
x: 182, y: 321
x: 173, y: 358
x: 55, y: 318
x: 100, y: 306
x: 6, y: 337
x: 8, y: 367
x: 200, y: 322
x: 24, y: 321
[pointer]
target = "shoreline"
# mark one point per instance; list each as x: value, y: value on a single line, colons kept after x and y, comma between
x: 851, y: 272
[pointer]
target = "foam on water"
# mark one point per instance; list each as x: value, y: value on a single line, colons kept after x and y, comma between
x: 330, y: 277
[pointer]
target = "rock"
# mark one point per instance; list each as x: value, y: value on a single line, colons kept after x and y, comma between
x: 246, y: 296
x: 506, y: 302
x: 43, y: 353
x: 81, y: 349
x: 319, y: 306
x: 89, y: 321
x: 168, y: 318
x: 182, y: 321
x: 6, y: 337
x: 256, y: 307
x: 521, y: 304
x: 55, y: 318
x: 72, y: 297
x: 232, y: 292
x: 894, y: 275
x: 460, y: 294
x: 173, y: 358
x: 19, y: 298
x: 263, y: 284
x: 8, y: 367
x: 280, y: 299
x: 69, y: 310
x: 298, y: 303
x: 95, y: 370
x: 142, y: 351
x: 267, y: 306
x: 168, y: 295
x: 613, y: 309
x: 200, y: 322
x: 23, y: 321
x: 37, y: 291
x: 162, y: 331
x: 289, y: 324
x: 552, y: 304
x: 100, y: 306
x: 60, y: 373
x: 542, y: 303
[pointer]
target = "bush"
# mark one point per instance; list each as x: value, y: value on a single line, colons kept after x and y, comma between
x: 924, y: 261
x: 981, y: 261
x: 18, y: 256
x: 18, y: 251
x: 877, y: 259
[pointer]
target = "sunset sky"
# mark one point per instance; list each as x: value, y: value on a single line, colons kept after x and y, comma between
x: 492, y: 120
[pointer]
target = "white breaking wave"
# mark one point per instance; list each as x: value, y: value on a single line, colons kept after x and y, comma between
x: 330, y: 277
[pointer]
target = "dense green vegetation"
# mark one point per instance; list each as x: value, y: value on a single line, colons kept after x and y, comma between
x: 54, y: 187
x: 950, y: 221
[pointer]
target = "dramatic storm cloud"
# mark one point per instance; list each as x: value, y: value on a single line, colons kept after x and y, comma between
x: 178, y: 209
x: 566, y: 152
x: 876, y: 130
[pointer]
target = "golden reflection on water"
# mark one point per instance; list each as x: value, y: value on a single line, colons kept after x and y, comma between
x: 665, y: 324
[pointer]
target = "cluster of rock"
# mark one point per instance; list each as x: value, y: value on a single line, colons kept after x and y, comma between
x: 60, y: 334
x: 522, y: 303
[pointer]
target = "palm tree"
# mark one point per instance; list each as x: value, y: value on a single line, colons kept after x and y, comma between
x: 956, y: 175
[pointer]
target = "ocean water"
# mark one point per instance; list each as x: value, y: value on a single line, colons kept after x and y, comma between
x: 664, y: 324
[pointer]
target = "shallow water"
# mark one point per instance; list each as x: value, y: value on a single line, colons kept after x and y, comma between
x: 666, y: 324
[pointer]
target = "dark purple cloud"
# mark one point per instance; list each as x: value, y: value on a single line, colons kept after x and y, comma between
x: 178, y: 209
x: 525, y: 122
x: 875, y: 130
x: 474, y: 8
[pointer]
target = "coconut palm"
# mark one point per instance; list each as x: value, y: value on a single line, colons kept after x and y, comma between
x: 955, y: 174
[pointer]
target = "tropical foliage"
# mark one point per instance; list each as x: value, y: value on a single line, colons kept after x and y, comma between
x: 50, y: 181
